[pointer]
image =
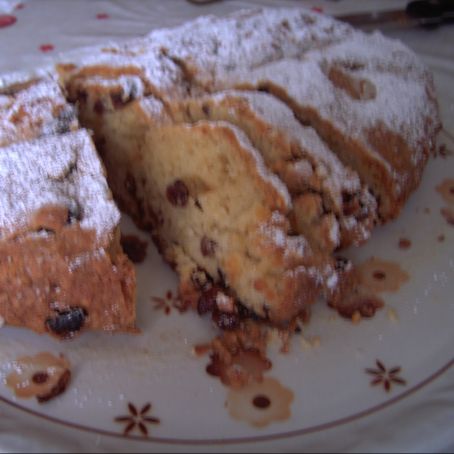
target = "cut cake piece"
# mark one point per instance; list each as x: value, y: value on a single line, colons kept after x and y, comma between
x: 215, y: 211
x: 330, y: 206
x: 61, y: 264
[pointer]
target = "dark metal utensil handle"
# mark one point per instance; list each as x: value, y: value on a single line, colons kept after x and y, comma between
x: 431, y: 13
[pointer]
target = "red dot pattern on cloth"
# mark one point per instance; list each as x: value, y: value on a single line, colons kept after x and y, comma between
x: 46, y: 47
x: 317, y: 9
x: 6, y: 20
x: 102, y: 16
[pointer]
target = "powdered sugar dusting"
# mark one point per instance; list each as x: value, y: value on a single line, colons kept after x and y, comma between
x: 137, y: 57
x: 37, y: 109
x: 213, y: 47
x: 396, y: 100
x: 275, y: 232
x: 154, y: 108
x: 63, y: 170
x: 131, y: 86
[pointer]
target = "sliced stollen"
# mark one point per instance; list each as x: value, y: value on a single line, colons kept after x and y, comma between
x: 369, y: 97
x: 214, y: 209
x: 371, y: 101
x: 61, y: 265
x: 330, y: 206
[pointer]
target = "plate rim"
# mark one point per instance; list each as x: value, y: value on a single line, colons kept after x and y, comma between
x: 242, y: 440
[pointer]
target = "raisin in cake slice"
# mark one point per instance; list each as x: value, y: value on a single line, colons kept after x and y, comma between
x: 330, y: 206
x: 213, y: 209
x: 61, y: 265
x: 33, y: 108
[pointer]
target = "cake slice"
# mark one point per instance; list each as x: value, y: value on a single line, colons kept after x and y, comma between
x: 61, y: 265
x: 214, y: 210
x: 330, y: 206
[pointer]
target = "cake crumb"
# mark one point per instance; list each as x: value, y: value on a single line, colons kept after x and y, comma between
x: 356, y: 317
x: 392, y: 315
x: 310, y: 342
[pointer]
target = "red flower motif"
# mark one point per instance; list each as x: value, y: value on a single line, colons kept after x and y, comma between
x: 317, y: 9
x: 137, y: 420
x: 102, y: 16
x: 46, y: 48
x: 169, y: 302
x: 6, y: 20
x: 385, y: 377
x: 19, y: 6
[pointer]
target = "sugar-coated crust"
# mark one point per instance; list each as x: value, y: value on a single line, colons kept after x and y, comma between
x: 55, y: 278
x: 57, y: 170
x: 32, y: 109
x: 61, y: 264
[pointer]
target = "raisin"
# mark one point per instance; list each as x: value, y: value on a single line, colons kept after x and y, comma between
x: 98, y: 107
x: 130, y: 185
x: 134, y: 248
x: 82, y: 95
x: 285, y: 24
x: 207, y: 246
x: 341, y: 264
x: 198, y: 205
x: 117, y: 100
x: 225, y: 321
x: 350, y: 205
x: 222, y: 278
x: 206, y: 109
x: 207, y: 300
x: 200, y: 279
x: 243, y: 311
x: 66, y: 323
x: 74, y: 214
x: 178, y: 193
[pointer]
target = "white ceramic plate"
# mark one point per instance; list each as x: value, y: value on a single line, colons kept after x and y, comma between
x: 334, y: 406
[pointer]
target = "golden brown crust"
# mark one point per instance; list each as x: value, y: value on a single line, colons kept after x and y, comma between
x: 58, y: 280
